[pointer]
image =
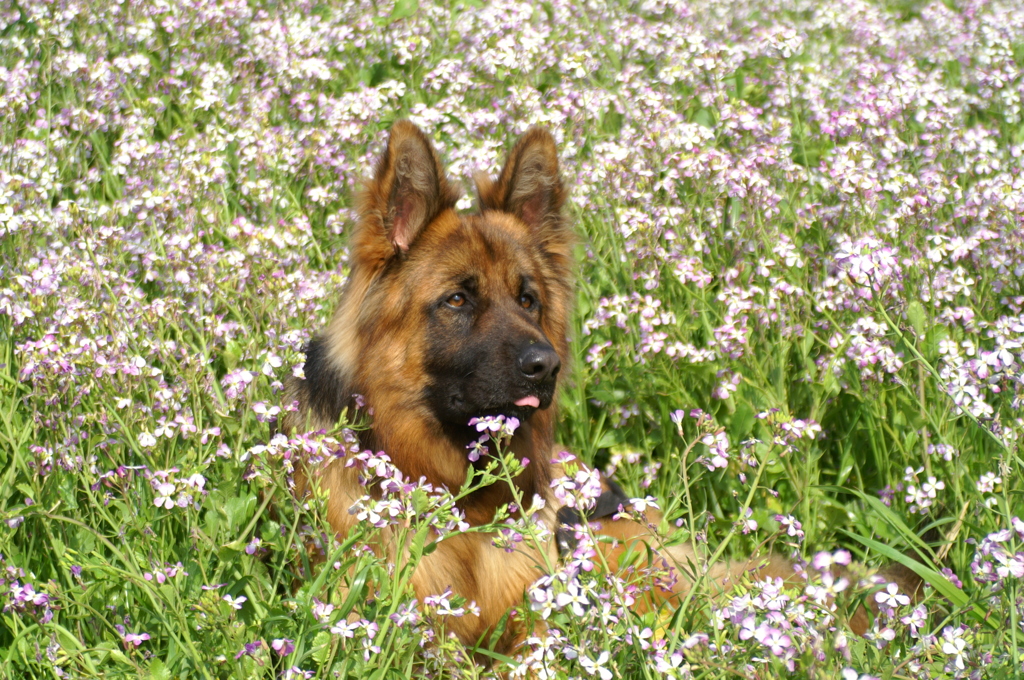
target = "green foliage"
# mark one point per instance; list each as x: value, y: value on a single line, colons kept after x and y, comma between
x: 175, y: 188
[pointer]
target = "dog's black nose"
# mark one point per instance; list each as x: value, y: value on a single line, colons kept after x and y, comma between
x: 539, y: 363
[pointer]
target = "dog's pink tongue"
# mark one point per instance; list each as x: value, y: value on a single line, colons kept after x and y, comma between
x: 529, y: 401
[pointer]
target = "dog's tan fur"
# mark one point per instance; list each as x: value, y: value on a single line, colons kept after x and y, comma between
x: 407, y: 248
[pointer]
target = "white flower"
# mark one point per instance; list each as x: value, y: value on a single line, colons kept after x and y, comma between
x: 597, y: 666
x: 164, y: 492
x: 344, y: 628
x: 235, y: 602
x: 954, y: 646
x: 574, y: 598
x: 641, y: 504
x: 891, y: 596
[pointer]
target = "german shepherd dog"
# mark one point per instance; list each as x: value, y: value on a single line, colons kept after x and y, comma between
x: 446, y: 317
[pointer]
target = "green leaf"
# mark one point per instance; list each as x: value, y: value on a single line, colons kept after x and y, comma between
x: 910, y: 441
x: 705, y: 117
x: 238, y: 510
x: 420, y: 501
x: 916, y: 316
x: 806, y: 345
x: 934, y: 578
x: 321, y: 646
x: 830, y: 384
x: 271, y: 533
x: 494, y: 655
x: 883, y: 511
x: 403, y: 9
x: 609, y: 439
x: 159, y: 671
x: 742, y: 422
x: 609, y: 396
x: 928, y: 572
x: 232, y: 352
x: 85, y: 541
x: 68, y: 491
x: 930, y: 347
x: 418, y: 541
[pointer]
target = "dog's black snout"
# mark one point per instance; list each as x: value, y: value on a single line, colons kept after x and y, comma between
x: 539, y: 363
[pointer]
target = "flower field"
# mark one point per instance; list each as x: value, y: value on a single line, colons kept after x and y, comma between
x: 799, y: 328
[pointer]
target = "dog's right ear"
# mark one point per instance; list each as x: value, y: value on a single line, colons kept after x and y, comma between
x: 408, y: 190
x: 529, y: 185
x: 531, y: 188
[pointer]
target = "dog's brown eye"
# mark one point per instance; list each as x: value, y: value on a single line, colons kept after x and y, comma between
x: 526, y: 301
x: 456, y: 300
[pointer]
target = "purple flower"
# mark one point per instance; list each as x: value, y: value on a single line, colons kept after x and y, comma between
x: 250, y: 649
x: 500, y: 427
x: 478, y: 448
x: 407, y: 615
x: 130, y: 639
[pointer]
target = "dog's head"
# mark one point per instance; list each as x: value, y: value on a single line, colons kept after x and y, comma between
x: 465, y: 314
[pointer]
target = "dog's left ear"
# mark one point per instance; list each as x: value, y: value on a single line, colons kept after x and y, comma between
x: 529, y: 185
